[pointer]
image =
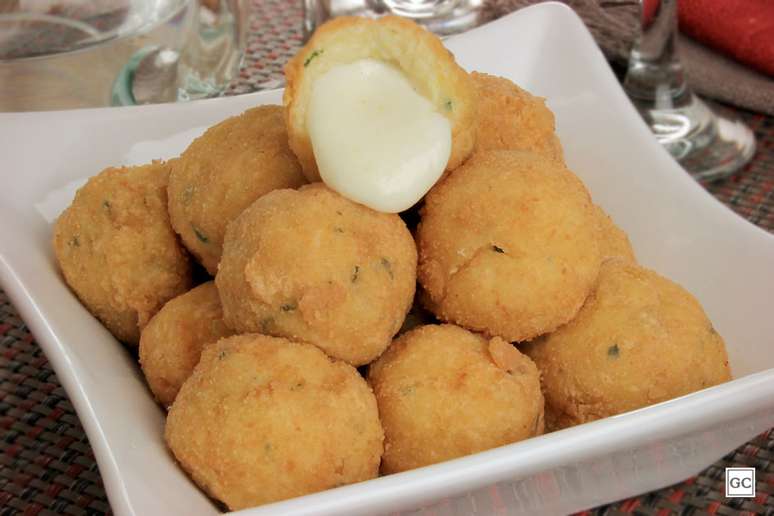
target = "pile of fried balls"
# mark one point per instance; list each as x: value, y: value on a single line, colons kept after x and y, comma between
x: 302, y: 341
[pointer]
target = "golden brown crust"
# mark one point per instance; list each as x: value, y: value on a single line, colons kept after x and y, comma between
x: 508, y: 245
x: 613, y: 241
x: 444, y: 392
x: 638, y: 340
x: 117, y: 250
x: 316, y: 267
x: 263, y: 419
x: 223, y: 171
x: 172, y: 342
x: 510, y: 118
x: 419, y: 54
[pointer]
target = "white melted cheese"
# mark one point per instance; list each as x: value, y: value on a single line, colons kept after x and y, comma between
x: 375, y: 139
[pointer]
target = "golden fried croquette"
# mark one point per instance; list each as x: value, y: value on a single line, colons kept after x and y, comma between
x: 117, y: 250
x: 639, y: 339
x: 510, y: 118
x: 416, y: 52
x: 508, y: 245
x: 223, y: 171
x: 172, y: 342
x: 613, y: 241
x: 311, y: 265
x: 444, y: 392
x: 263, y: 419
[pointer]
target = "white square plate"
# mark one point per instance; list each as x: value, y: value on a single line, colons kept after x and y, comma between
x: 676, y: 228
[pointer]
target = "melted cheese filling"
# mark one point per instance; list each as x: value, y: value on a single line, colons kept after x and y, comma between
x: 375, y: 139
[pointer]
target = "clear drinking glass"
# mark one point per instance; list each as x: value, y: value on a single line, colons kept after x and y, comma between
x: 443, y: 17
x: 707, y: 143
x: 59, y: 54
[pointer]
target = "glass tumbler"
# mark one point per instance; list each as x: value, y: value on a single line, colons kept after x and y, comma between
x: 63, y: 54
x: 444, y: 17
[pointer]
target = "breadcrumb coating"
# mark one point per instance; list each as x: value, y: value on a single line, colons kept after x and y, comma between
x: 444, y: 392
x: 313, y: 266
x: 638, y: 340
x: 508, y: 245
x: 223, y: 171
x: 263, y: 419
x: 172, y: 342
x: 510, y: 118
x: 117, y: 251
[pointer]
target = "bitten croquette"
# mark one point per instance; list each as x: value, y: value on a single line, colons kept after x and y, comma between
x: 412, y: 49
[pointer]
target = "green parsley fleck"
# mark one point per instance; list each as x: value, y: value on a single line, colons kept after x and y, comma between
x: 448, y: 105
x: 221, y: 355
x: 200, y: 235
x: 355, y: 273
x: 311, y: 57
x: 407, y: 390
x: 613, y: 351
x: 74, y: 242
x: 266, y: 324
x: 106, y: 204
x: 387, y: 266
x: 337, y: 229
x: 289, y: 307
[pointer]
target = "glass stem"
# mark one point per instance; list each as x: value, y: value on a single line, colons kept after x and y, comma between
x: 655, y: 76
x: 419, y: 8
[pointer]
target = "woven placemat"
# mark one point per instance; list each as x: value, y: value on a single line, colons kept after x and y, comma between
x: 750, y: 192
x: 46, y: 463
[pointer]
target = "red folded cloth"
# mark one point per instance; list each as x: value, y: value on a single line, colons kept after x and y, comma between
x: 743, y: 29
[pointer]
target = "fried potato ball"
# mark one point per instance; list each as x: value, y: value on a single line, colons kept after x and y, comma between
x: 508, y: 245
x: 263, y: 419
x: 117, y: 250
x: 639, y: 339
x: 444, y: 392
x: 510, y: 118
x: 172, y: 342
x: 416, y: 52
x: 223, y: 171
x: 313, y: 266
x: 613, y: 241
